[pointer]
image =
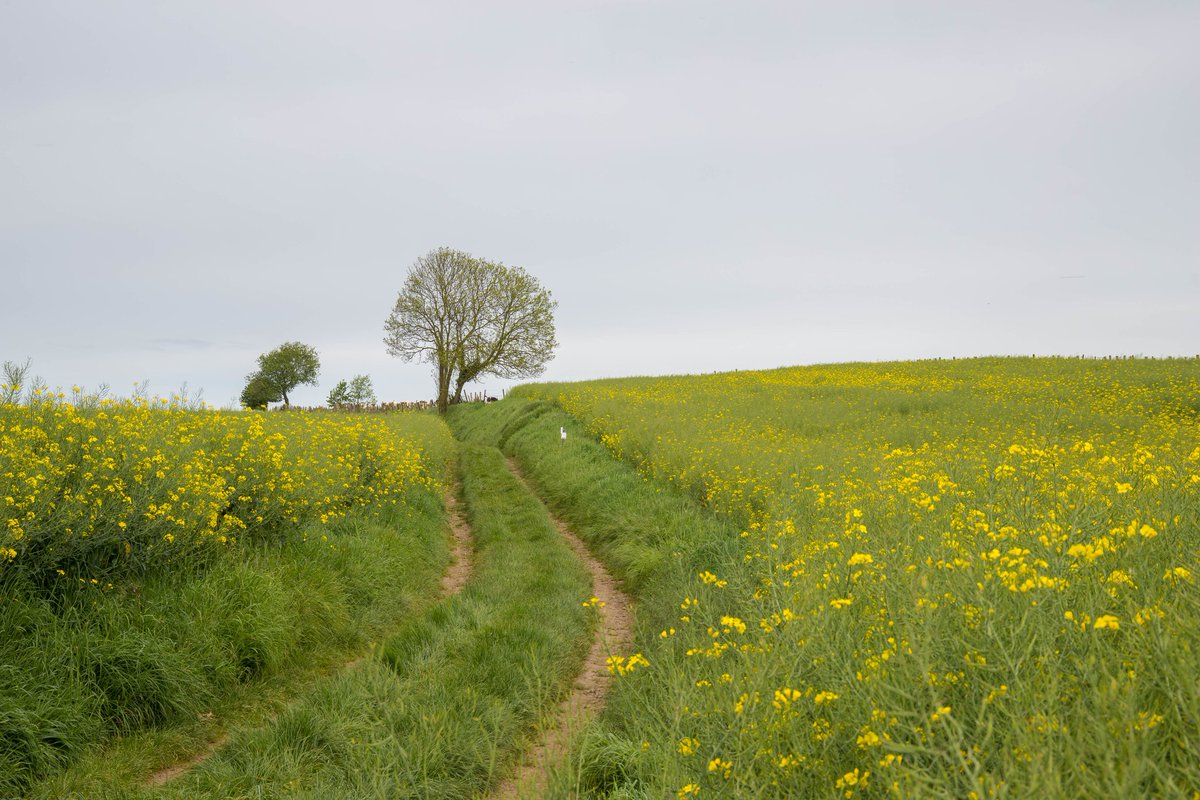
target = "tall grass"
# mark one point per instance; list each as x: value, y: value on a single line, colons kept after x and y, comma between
x: 946, y: 579
x: 443, y: 707
x: 161, y: 655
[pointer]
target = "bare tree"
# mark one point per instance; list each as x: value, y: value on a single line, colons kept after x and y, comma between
x: 468, y: 318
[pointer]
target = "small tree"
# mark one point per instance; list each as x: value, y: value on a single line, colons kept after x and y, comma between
x: 288, y: 366
x: 358, y: 392
x: 258, y: 392
x: 470, y: 318
x: 339, y: 396
x: 362, y: 393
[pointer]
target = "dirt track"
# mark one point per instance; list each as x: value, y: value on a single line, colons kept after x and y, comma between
x: 613, y: 636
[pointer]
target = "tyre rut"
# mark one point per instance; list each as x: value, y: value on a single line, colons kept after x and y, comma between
x: 454, y: 579
x: 614, y: 634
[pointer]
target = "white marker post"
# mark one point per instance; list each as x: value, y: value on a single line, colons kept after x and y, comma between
x: 562, y: 434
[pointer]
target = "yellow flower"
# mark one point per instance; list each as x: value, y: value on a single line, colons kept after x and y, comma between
x: 852, y: 779
x: 868, y: 738
x: 860, y: 558
x: 1107, y: 622
x: 785, y: 697
x: 1177, y: 574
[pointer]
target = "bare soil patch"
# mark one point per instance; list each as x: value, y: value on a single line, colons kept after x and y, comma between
x: 459, y: 573
x: 591, y: 687
x: 175, y: 770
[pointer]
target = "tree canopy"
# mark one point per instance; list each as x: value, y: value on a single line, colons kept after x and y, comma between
x: 283, y: 369
x: 469, y: 317
x: 357, y: 392
x: 259, y: 392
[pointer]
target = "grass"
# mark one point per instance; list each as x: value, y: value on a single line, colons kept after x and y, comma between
x: 166, y: 670
x: 932, y: 579
x: 443, y: 706
x: 101, y: 683
x: 653, y: 540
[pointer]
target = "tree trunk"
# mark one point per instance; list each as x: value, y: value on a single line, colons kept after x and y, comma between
x: 443, y: 398
x: 465, y: 375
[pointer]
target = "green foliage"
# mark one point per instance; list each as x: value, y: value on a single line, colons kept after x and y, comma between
x: 284, y: 368
x: 448, y: 700
x: 339, y: 395
x: 259, y: 391
x: 357, y: 392
x: 470, y: 317
x: 362, y: 393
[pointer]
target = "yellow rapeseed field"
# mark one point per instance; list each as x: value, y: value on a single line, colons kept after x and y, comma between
x: 92, y: 494
x: 955, y: 579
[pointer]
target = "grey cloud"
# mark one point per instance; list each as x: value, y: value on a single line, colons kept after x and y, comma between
x: 702, y: 185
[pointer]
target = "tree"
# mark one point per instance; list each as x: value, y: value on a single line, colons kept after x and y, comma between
x: 286, y: 367
x: 362, y: 393
x: 513, y: 336
x: 469, y: 318
x: 358, y: 392
x: 258, y: 392
x: 339, y: 396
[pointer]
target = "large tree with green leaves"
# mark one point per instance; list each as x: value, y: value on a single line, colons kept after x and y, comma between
x: 285, y: 368
x: 468, y: 318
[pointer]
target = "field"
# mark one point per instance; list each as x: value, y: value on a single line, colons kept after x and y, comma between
x: 163, y: 568
x: 215, y: 604
x: 941, y: 579
x: 946, y: 579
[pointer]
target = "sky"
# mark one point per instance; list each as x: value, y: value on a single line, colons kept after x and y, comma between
x: 702, y: 186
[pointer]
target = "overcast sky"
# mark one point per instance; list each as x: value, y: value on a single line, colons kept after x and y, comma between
x: 702, y: 185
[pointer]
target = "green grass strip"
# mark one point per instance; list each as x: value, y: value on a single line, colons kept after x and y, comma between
x: 655, y: 541
x: 446, y: 703
x: 239, y: 642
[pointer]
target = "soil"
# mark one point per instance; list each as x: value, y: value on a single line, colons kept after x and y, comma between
x: 175, y: 770
x: 614, y: 635
x: 459, y: 573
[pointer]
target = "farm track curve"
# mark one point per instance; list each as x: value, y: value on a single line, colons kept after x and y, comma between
x: 455, y: 578
x: 592, y: 684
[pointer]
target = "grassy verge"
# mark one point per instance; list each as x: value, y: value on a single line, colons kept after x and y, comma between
x: 443, y: 706
x: 655, y: 541
x: 102, y: 685
x: 169, y: 668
